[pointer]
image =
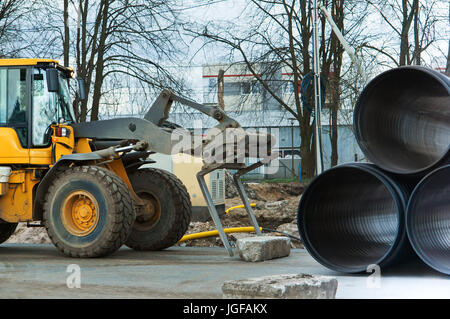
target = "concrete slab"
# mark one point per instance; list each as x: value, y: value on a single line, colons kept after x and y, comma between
x: 262, y: 248
x: 39, y: 271
x: 291, y: 286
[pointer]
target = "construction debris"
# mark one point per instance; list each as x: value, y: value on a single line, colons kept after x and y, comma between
x: 29, y: 235
x: 277, y: 205
x: 263, y: 248
x: 296, y: 286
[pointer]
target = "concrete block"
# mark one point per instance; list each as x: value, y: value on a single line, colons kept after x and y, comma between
x: 292, y: 286
x: 277, y: 205
x: 262, y: 248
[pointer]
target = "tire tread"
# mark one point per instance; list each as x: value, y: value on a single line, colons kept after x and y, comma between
x: 183, y: 207
x: 123, y: 214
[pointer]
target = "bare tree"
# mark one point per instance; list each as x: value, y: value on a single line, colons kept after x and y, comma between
x: 11, y: 14
x: 110, y: 41
x: 406, y: 20
x: 277, y: 36
x: 332, y: 57
x: 66, y: 38
x: 121, y: 37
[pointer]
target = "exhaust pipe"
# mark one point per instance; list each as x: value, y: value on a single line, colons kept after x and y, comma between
x: 402, y: 118
x: 428, y: 219
x: 353, y: 215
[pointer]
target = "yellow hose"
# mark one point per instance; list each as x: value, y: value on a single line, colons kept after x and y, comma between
x: 239, y: 206
x: 215, y: 233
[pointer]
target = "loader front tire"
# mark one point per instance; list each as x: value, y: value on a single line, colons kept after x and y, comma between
x: 88, y: 212
x: 6, y: 231
x: 170, y: 207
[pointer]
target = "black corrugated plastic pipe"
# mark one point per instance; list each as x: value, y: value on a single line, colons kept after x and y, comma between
x: 428, y: 219
x: 402, y: 118
x: 353, y: 215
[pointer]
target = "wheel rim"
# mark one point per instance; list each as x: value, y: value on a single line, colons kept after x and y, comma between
x: 80, y: 213
x: 152, y: 212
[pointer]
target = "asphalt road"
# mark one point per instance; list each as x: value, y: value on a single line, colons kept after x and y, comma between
x: 39, y: 271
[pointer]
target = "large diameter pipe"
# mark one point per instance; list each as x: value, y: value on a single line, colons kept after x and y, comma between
x: 353, y: 216
x: 402, y: 120
x: 428, y: 219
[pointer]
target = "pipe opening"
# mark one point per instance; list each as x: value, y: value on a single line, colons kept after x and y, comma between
x: 349, y: 219
x: 401, y: 119
x: 428, y: 220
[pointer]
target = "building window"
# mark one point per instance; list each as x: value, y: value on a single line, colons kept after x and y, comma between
x: 256, y: 87
x: 245, y: 88
x: 250, y: 87
x: 288, y: 87
x: 212, y: 85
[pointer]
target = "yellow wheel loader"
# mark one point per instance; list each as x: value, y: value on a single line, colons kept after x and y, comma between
x: 83, y: 181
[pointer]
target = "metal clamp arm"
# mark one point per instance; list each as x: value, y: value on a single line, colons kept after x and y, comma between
x: 159, y: 111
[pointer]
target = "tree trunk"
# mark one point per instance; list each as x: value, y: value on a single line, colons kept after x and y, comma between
x: 335, y: 103
x: 331, y: 72
x: 308, y: 163
x: 99, y: 75
x: 404, y: 48
x: 96, y: 96
x: 447, y: 69
x: 66, y: 41
x: 404, y: 35
x: 307, y: 148
x: 337, y: 54
x: 417, y: 46
x: 220, y: 89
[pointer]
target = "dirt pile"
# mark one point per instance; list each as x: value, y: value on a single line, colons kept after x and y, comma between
x: 276, y: 209
x: 263, y: 191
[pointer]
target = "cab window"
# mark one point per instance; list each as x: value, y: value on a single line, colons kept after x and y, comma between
x: 13, y: 101
x: 45, y: 111
x: 49, y: 107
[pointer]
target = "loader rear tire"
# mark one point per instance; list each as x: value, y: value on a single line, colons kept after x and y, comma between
x: 6, y: 231
x: 171, y: 210
x: 88, y: 212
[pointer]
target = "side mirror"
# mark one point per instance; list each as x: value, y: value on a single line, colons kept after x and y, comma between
x: 52, y: 80
x: 81, y: 89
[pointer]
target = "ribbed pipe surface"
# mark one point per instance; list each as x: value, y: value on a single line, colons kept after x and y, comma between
x: 352, y: 216
x: 402, y: 119
x: 428, y: 219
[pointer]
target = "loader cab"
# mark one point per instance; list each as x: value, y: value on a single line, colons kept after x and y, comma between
x: 34, y: 95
